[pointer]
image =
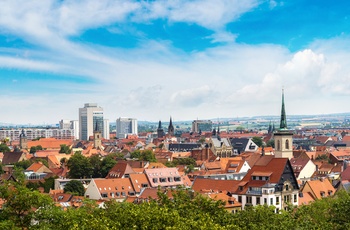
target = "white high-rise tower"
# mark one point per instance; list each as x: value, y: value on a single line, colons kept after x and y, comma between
x: 89, y: 117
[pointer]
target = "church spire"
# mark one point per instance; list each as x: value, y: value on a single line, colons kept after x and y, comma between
x: 171, y: 128
x: 283, y: 124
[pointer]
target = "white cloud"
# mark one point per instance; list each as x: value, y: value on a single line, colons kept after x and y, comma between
x: 209, y: 14
x: 192, y: 97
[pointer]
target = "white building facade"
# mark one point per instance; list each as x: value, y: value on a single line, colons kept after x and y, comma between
x: 125, y: 126
x: 90, y: 118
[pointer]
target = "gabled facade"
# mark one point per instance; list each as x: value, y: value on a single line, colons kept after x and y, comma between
x: 303, y: 168
x: 106, y: 189
x: 221, y: 147
x: 271, y: 181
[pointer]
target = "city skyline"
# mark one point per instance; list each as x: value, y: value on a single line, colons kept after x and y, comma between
x: 186, y: 59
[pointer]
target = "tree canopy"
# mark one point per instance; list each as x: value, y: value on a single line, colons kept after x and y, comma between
x: 145, y: 155
x: 26, y: 209
x: 65, y: 149
x: 4, y: 148
x: 79, y: 167
x: 258, y: 141
x: 33, y: 149
x: 74, y: 187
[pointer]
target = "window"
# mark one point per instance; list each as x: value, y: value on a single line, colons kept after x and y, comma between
x: 271, y: 201
x: 258, y: 200
x: 104, y: 195
x: 265, y: 200
x: 286, y: 199
x: 287, y: 144
x: 248, y: 199
x: 117, y: 193
x: 131, y: 193
x: 295, y: 198
x: 162, y: 179
x: 144, y: 185
x: 112, y: 194
x: 177, y: 179
x: 240, y: 199
x: 155, y: 180
x: 170, y: 179
x: 277, y: 200
x: 278, y: 145
x: 287, y: 187
x: 123, y: 194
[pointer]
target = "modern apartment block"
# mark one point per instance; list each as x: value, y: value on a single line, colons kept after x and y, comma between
x: 202, y: 126
x: 32, y: 133
x: 126, y: 126
x: 90, y: 118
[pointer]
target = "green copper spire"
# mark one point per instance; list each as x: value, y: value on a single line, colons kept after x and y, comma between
x: 283, y: 124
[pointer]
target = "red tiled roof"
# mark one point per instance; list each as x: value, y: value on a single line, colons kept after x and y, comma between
x: 139, y: 181
x: 205, y: 184
x: 50, y: 143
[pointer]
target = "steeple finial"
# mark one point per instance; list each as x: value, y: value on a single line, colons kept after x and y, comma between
x: 283, y: 124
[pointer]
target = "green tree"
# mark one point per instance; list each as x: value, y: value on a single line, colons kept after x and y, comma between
x: 271, y: 143
x: 4, y: 148
x: 148, y: 155
x: 23, y: 164
x: 107, y: 164
x: 74, y: 187
x: 258, y: 141
x: 65, y: 149
x: 136, y: 154
x: 33, y: 149
x: 96, y: 163
x: 79, y: 167
x: 21, y: 204
x: 49, y: 183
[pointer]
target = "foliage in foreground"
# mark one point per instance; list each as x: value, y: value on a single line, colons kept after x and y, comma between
x: 26, y: 209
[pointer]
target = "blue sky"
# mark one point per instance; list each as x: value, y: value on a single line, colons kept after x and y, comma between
x: 186, y: 59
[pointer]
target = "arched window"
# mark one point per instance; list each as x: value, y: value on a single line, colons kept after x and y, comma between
x: 278, y: 145
x: 287, y: 144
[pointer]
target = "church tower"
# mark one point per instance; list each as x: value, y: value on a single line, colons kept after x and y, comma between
x: 23, y: 142
x: 171, y: 128
x: 283, y: 136
x: 160, y: 131
x: 97, y: 138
